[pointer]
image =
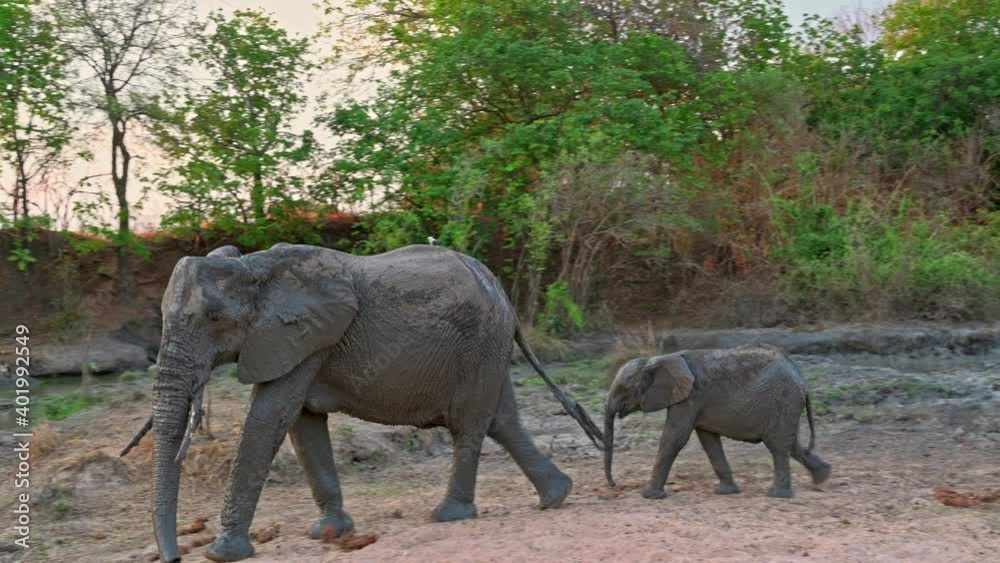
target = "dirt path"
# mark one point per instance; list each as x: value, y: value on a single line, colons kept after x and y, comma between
x: 894, y: 429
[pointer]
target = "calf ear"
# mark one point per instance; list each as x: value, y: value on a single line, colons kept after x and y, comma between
x: 672, y: 382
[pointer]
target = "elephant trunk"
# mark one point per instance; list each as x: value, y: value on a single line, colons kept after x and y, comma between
x: 609, y: 442
x: 178, y: 373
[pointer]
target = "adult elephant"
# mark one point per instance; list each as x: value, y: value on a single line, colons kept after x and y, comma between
x: 418, y: 336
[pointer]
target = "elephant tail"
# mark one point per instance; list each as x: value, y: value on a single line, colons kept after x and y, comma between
x: 572, y: 408
x: 812, y: 425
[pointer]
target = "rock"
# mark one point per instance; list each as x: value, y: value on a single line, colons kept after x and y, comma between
x: 105, y: 354
x: 879, y: 340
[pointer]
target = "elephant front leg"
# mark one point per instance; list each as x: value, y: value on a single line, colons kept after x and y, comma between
x: 311, y: 439
x: 273, y: 407
x: 712, y: 444
x: 680, y: 423
x: 459, y: 503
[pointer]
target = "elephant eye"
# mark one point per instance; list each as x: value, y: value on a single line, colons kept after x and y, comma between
x: 213, y: 316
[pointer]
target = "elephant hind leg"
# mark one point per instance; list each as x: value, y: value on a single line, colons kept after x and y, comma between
x: 818, y: 469
x: 781, y: 443
x: 712, y: 444
x: 782, y: 473
x: 311, y: 439
x: 553, y: 485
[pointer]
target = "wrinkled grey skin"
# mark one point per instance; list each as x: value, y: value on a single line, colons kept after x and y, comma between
x: 752, y: 394
x: 419, y: 336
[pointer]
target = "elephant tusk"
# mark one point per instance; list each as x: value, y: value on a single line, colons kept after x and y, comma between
x: 138, y: 437
x: 194, y: 420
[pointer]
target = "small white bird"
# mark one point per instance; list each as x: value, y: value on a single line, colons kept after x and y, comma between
x: 431, y: 240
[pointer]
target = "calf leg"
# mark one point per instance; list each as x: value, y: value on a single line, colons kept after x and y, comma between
x: 819, y: 469
x: 712, y: 444
x: 680, y: 423
x: 782, y: 473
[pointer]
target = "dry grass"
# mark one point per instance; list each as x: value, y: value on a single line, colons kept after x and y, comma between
x: 209, y: 461
x: 83, y: 459
x: 631, y: 345
x: 46, y: 439
x: 546, y: 347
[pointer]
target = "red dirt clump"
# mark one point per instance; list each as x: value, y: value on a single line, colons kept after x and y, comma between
x: 353, y: 542
x: 973, y: 499
x: 200, y: 541
x: 349, y: 541
x: 264, y: 535
x: 196, y: 525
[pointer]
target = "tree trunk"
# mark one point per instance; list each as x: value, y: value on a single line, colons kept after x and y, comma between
x: 86, y: 375
x: 21, y: 188
x: 534, y: 283
x: 21, y: 181
x: 257, y: 198
x: 120, y: 161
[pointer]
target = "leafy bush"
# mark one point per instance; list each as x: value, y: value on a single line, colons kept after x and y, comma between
x: 860, y: 263
x: 24, y: 231
x: 561, y: 316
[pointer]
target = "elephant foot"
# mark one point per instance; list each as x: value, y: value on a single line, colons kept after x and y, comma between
x: 556, y: 489
x: 653, y: 493
x: 450, y: 510
x: 727, y: 489
x: 781, y: 492
x: 340, y: 521
x: 821, y: 473
x: 230, y: 548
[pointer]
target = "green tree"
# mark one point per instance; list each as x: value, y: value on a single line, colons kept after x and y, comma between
x: 239, y: 158
x: 34, y: 127
x: 492, y: 93
x: 944, y: 78
x: 129, y: 50
x: 566, y: 141
x: 489, y: 100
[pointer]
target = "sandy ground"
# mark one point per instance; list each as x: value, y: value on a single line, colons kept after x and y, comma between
x: 893, y: 431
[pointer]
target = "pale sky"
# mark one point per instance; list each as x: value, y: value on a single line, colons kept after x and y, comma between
x: 301, y: 17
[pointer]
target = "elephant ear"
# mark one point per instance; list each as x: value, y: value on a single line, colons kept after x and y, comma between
x: 306, y: 300
x: 672, y: 382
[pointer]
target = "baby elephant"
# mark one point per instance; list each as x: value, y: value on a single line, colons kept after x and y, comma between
x: 752, y: 394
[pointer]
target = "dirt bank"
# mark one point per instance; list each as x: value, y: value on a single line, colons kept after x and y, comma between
x: 895, y: 427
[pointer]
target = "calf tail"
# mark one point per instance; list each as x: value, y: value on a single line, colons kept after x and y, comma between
x: 812, y: 425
